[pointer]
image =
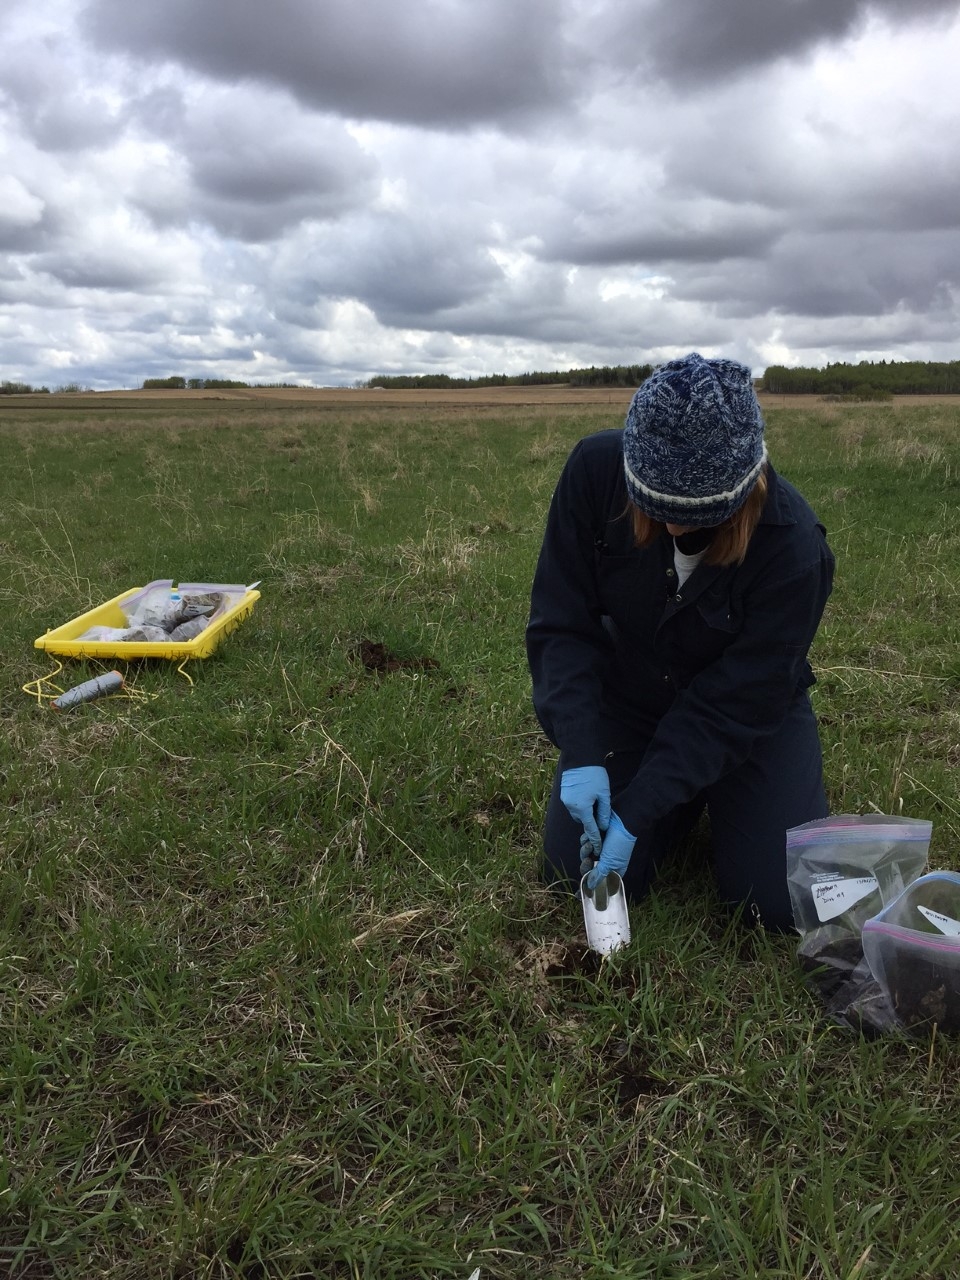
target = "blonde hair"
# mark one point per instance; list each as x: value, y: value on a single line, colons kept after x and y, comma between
x: 730, y: 540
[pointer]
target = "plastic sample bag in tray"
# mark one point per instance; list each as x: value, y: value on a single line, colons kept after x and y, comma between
x: 160, y: 620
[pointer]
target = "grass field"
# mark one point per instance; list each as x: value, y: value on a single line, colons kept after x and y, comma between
x: 280, y: 993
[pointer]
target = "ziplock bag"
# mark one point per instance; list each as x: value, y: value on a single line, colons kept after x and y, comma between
x: 841, y: 871
x: 913, y: 949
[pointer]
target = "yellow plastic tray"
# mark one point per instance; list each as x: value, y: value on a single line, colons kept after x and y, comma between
x: 63, y: 640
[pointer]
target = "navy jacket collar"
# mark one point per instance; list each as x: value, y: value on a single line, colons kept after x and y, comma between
x: 777, y: 509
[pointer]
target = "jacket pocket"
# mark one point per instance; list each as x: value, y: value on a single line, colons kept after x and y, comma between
x: 618, y: 585
x: 719, y: 612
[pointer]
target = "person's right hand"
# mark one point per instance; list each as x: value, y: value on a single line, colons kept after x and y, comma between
x: 616, y: 852
x: 585, y: 793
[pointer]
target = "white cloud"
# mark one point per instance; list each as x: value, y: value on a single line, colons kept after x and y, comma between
x: 18, y: 206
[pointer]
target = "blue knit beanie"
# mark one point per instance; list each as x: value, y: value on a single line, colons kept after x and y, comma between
x: 693, y: 441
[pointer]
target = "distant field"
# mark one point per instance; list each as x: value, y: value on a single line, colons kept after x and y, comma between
x: 344, y: 397
x: 281, y: 993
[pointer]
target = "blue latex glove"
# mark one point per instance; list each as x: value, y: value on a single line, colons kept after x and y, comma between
x: 585, y: 793
x: 615, y: 852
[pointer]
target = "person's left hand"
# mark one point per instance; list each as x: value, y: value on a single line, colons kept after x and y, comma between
x: 615, y: 852
x: 585, y: 793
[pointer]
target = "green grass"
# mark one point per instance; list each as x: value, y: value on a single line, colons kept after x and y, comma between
x: 280, y: 993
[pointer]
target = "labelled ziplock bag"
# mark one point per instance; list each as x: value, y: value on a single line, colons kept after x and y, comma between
x: 841, y: 871
x: 913, y: 949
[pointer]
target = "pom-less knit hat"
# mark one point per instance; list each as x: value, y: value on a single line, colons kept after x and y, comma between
x: 693, y: 441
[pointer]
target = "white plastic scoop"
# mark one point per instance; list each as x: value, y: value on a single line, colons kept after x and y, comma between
x: 605, y: 914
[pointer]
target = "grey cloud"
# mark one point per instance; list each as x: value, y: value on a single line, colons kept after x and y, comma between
x: 407, y: 271
x: 87, y: 269
x: 696, y: 42
x: 72, y: 122
x: 859, y: 275
x: 546, y: 306
x: 22, y: 287
x: 828, y: 181
x: 431, y: 63
x: 301, y: 313
x: 622, y: 334
x: 255, y: 222
x: 46, y: 91
x: 29, y: 238
x: 160, y: 110
x: 431, y: 274
x: 899, y: 331
x: 843, y: 274
x: 540, y: 312
x: 22, y: 214
x: 684, y: 237
x: 266, y: 147
x: 910, y: 198
x: 261, y: 204
x: 251, y: 164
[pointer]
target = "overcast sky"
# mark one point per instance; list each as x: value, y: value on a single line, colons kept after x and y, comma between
x: 319, y: 190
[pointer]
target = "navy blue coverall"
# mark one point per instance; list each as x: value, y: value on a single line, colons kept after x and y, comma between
x: 689, y: 697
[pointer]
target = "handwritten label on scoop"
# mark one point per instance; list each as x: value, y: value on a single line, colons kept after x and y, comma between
x: 944, y: 923
x: 832, y: 897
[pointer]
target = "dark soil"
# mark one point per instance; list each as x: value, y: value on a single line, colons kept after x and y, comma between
x: 376, y: 657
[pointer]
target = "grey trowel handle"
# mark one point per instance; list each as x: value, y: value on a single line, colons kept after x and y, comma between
x: 600, y: 894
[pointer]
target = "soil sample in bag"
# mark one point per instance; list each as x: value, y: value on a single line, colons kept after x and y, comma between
x: 841, y: 871
x: 913, y: 949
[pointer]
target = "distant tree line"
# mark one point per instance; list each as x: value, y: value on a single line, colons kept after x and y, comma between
x: 8, y: 388
x: 629, y: 375
x: 208, y: 384
x: 867, y: 380
x: 20, y: 389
